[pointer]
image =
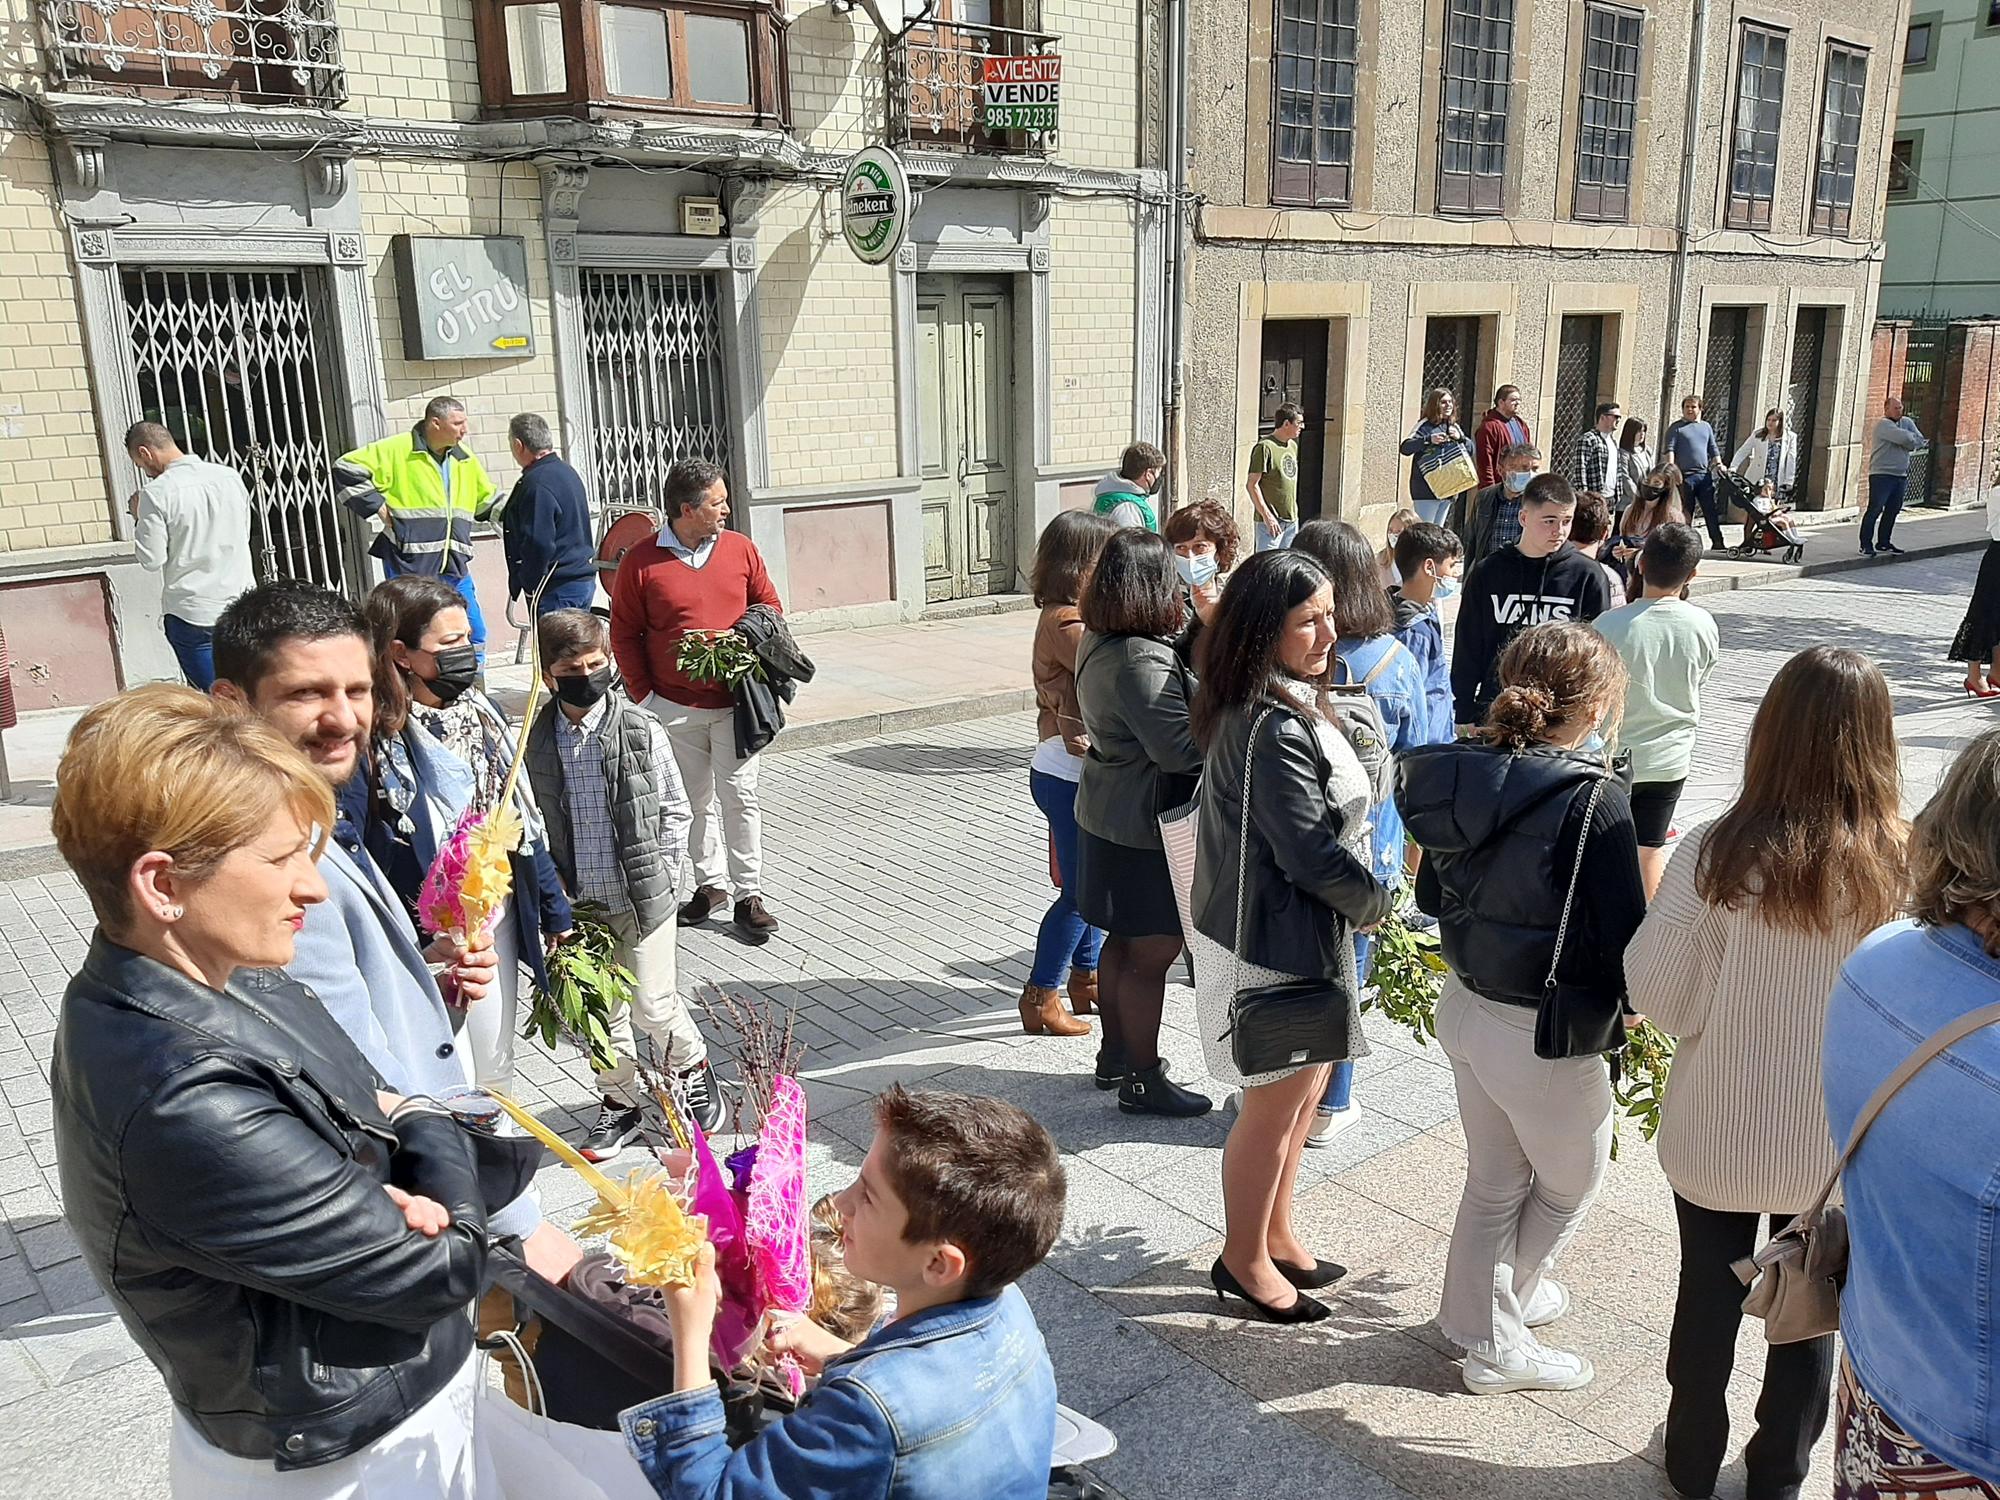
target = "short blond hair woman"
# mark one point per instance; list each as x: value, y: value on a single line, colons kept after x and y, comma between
x: 226, y: 1154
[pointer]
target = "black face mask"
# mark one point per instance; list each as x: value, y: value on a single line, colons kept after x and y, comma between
x: 457, y: 670
x: 586, y: 690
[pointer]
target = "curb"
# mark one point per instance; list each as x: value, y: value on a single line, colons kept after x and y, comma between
x: 1771, y: 573
x: 923, y: 716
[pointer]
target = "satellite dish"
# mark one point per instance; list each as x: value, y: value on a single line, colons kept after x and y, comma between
x: 894, y: 17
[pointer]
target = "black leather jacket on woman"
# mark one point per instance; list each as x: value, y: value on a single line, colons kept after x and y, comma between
x: 1307, y: 893
x: 1499, y: 832
x: 223, y: 1159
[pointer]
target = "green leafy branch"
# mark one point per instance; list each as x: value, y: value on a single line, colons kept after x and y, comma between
x: 586, y: 985
x: 1639, y: 1083
x: 1407, y: 971
x: 719, y: 656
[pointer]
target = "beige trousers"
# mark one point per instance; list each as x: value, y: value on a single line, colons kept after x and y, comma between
x: 657, y: 1008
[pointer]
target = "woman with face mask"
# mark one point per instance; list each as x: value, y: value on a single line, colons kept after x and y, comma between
x: 441, y: 747
x: 1204, y: 538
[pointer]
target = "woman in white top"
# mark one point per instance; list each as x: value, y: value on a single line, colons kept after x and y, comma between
x: 1770, y: 457
x: 1635, y: 460
x: 1737, y: 957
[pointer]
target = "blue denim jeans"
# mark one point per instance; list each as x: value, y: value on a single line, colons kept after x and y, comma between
x: 1885, y: 499
x: 1287, y: 531
x: 1702, y: 488
x: 1430, y: 508
x: 1065, y: 939
x: 191, y: 645
x: 580, y: 594
x: 1340, y: 1085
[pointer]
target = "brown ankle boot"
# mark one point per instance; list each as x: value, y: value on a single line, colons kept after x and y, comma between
x: 1042, y: 1013
x: 1082, y: 991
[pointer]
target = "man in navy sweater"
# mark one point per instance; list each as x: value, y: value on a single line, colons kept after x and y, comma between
x: 545, y: 523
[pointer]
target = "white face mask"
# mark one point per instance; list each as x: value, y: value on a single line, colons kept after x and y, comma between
x: 1195, y: 571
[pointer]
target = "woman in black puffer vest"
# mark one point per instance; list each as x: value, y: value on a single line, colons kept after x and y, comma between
x: 1510, y: 822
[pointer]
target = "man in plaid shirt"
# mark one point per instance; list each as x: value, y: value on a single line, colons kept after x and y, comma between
x: 1596, y: 460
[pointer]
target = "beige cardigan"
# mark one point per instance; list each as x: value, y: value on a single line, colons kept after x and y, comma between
x: 1743, y: 1128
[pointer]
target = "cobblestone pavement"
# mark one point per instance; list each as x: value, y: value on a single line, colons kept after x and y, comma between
x: 908, y: 873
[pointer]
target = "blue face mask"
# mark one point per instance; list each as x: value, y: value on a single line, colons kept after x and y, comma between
x: 1195, y: 571
x: 1516, y: 482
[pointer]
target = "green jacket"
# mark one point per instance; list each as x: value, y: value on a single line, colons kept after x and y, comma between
x: 1114, y: 491
x: 430, y: 530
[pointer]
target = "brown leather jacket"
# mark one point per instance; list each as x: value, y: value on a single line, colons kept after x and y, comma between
x: 1057, y: 635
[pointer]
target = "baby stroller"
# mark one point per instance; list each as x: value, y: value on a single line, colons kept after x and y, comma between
x: 591, y: 1362
x: 1768, y: 525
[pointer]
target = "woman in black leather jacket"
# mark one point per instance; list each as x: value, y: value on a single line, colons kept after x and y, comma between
x: 1510, y: 821
x: 1301, y: 884
x: 294, y: 1249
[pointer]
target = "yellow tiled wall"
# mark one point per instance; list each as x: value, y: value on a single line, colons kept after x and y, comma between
x: 51, y: 465
x: 410, y: 59
x: 1091, y: 308
x: 1099, y: 42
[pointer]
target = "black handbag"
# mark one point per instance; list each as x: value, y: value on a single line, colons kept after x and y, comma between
x: 1273, y: 1027
x: 1572, y: 1020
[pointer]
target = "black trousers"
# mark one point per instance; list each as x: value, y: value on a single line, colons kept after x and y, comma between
x: 1798, y: 1378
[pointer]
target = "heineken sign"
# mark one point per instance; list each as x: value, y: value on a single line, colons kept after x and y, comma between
x: 1021, y: 93
x: 874, y: 203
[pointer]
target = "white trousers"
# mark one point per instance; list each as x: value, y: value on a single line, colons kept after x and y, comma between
x: 656, y: 1007
x: 1537, y: 1137
x: 728, y: 852
x: 492, y: 1025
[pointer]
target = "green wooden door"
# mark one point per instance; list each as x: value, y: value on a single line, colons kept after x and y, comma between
x: 965, y: 396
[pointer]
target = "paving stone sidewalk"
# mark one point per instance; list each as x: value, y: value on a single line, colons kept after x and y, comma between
x: 909, y: 874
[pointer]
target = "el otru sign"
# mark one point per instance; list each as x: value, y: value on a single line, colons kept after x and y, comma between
x: 464, y: 296
x: 1021, y: 93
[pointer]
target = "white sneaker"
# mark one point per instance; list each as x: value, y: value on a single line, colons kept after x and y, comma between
x: 1534, y: 1367
x: 1550, y: 1302
x: 1328, y: 1123
x: 1234, y: 1103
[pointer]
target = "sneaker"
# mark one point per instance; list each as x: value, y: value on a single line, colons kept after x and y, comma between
x: 1232, y: 1102
x: 704, y: 904
x: 1867, y: 551
x: 1550, y: 1302
x: 703, y: 1096
x: 1889, y: 547
x: 1421, y: 921
x: 616, y: 1128
x: 1535, y: 1367
x: 1328, y: 1123
x: 752, y: 920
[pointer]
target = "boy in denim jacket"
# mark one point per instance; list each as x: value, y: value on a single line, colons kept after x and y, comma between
x: 1426, y: 556
x: 957, y: 1199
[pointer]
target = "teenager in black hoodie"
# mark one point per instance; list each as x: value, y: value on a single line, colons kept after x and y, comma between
x: 1539, y: 579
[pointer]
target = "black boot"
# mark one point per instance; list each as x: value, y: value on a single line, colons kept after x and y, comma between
x: 1110, y: 1065
x: 1151, y: 1092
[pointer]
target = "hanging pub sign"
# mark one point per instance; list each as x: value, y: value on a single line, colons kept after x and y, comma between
x: 874, y: 203
x: 1021, y: 93
x: 463, y: 296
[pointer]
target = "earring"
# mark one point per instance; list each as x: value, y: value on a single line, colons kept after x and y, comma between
x: 174, y: 913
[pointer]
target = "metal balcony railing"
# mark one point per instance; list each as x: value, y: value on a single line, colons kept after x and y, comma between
x: 259, y: 51
x: 944, y: 95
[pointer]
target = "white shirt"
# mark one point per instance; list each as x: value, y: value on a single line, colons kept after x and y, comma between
x: 194, y: 526
x: 694, y: 557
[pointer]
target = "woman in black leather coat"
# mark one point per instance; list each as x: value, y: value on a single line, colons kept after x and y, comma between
x: 292, y: 1247
x: 1300, y: 883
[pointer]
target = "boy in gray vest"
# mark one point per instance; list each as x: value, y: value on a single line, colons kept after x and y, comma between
x: 618, y: 820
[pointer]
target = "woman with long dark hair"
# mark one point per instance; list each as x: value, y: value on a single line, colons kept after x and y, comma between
x: 1635, y: 460
x: 1278, y: 904
x: 1368, y: 655
x: 1737, y: 956
x: 1531, y: 866
x: 1065, y: 942
x: 441, y: 746
x: 1133, y: 691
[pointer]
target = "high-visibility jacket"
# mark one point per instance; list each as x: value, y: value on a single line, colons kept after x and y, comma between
x: 430, y: 524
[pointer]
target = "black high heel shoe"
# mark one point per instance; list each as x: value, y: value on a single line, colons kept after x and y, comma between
x: 1303, y: 1309
x: 1310, y: 1278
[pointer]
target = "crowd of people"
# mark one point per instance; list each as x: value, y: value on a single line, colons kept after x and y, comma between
x: 268, y: 1070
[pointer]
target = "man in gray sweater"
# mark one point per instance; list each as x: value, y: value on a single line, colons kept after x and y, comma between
x: 1896, y: 438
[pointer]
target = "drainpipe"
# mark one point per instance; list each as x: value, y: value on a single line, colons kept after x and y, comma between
x: 1175, y: 109
x: 1690, y: 141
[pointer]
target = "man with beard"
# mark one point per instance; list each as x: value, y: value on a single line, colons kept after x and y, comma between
x: 297, y: 656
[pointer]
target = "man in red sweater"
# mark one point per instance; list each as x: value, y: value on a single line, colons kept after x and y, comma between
x: 697, y: 575
x: 1500, y: 429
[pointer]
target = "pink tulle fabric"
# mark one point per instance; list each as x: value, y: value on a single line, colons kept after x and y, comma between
x: 775, y: 1210
x: 742, y: 1309
x: 440, y: 905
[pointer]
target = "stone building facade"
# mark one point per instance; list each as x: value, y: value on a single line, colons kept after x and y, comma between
x: 203, y: 218
x: 1465, y: 193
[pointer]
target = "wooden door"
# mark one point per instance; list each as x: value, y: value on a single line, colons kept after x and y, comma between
x: 965, y: 394
x: 1294, y: 372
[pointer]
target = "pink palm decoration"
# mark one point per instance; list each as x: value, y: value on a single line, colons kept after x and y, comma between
x: 774, y: 1212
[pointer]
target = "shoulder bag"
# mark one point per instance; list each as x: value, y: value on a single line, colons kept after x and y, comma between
x: 1795, y: 1280
x: 1447, y: 469
x: 1273, y: 1027
x: 1574, y: 1021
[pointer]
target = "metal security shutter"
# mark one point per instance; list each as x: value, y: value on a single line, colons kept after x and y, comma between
x: 1722, y: 374
x: 653, y: 379
x: 1802, y: 390
x: 1578, y: 354
x: 230, y: 363
x: 1451, y: 360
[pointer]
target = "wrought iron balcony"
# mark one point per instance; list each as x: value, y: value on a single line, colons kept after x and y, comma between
x: 958, y: 86
x: 258, y: 51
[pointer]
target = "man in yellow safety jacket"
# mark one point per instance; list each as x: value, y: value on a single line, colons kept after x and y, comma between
x: 426, y: 489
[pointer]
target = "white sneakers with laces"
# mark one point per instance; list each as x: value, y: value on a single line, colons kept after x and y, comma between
x: 1533, y: 1367
x: 1550, y: 1302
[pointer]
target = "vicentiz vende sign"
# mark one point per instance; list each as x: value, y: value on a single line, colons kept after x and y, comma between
x: 1021, y: 93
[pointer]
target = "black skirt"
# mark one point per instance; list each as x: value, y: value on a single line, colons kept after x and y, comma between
x: 1128, y: 892
x: 1980, y: 633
